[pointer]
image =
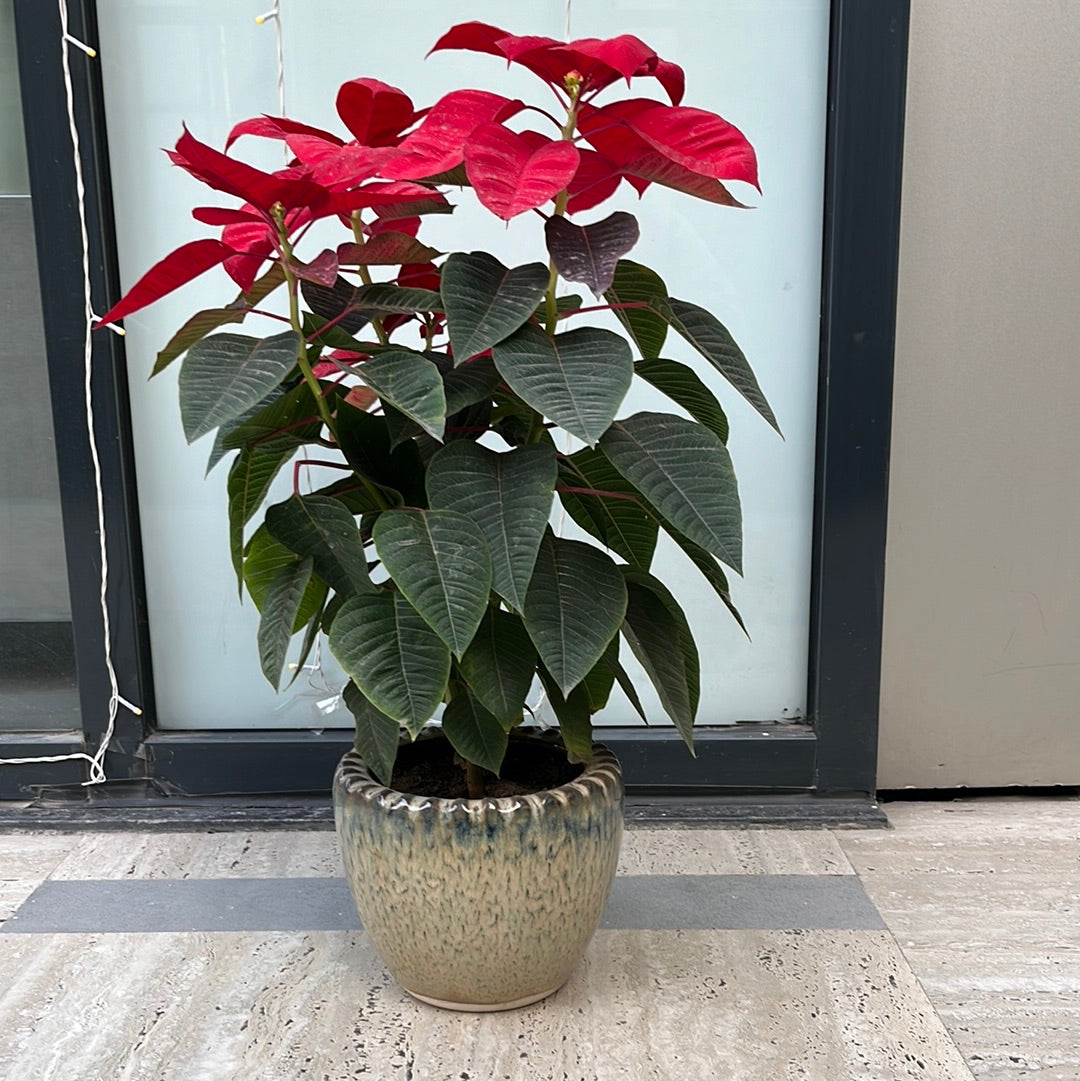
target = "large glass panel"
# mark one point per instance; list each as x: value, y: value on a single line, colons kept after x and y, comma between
x: 37, y: 676
x: 760, y: 63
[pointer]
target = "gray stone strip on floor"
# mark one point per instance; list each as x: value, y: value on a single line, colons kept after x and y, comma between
x: 637, y: 902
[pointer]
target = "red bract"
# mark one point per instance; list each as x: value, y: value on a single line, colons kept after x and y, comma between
x: 599, y: 61
x: 176, y: 269
x: 374, y: 112
x: 217, y: 215
x: 276, y: 127
x: 511, y: 176
x: 595, y: 180
x: 226, y: 174
x: 436, y: 146
x: 650, y: 142
x: 341, y: 167
x: 322, y: 270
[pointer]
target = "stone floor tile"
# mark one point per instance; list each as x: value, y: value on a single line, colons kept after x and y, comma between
x: 724, y: 852
x: 742, y: 1006
x: 296, y: 853
x: 33, y: 855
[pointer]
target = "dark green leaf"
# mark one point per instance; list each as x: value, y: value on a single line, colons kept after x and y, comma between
x: 714, y: 575
x: 332, y: 302
x: 599, y: 681
x: 365, y: 441
x: 281, y: 606
x: 263, y: 559
x: 575, y: 605
x: 473, y: 732
x: 377, y: 736
x: 685, y: 473
x: 382, y: 298
x: 578, y: 379
x: 626, y: 685
x: 711, y: 339
x: 507, y: 495
x: 314, y: 627
x: 439, y: 561
x: 392, y: 655
x: 588, y: 253
x: 325, y: 530
x: 499, y: 665
x: 219, y: 451
x: 411, y: 384
x: 204, y: 322
x: 638, y: 284
x: 485, y: 301
x: 575, y: 719
x: 249, y: 480
x: 622, y: 525
x: 278, y: 419
x: 225, y: 375
x: 660, y: 637
x: 682, y: 385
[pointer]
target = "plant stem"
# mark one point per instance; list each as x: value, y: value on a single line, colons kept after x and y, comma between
x: 474, y: 778
x: 365, y: 275
x: 552, y: 309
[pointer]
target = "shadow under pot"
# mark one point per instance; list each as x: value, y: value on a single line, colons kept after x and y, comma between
x: 482, y: 904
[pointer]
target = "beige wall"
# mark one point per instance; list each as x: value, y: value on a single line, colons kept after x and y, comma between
x: 981, y: 677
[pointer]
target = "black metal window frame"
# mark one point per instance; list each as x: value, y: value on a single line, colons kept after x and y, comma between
x: 833, y: 754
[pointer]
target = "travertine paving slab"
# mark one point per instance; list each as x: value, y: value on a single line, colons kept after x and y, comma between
x: 731, y: 852
x: 13, y: 891
x: 977, y: 911
x: 299, y: 853
x: 991, y: 816
x: 646, y: 1006
x: 33, y: 855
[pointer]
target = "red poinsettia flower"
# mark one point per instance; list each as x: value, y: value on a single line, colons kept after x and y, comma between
x: 599, y: 62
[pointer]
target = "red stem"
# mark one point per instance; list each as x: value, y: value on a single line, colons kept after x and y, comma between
x: 595, y: 491
x: 605, y: 308
x: 313, y: 461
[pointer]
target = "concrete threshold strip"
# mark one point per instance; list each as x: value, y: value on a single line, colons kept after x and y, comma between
x: 637, y: 902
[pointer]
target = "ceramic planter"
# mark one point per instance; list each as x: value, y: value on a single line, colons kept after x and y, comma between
x: 481, y: 904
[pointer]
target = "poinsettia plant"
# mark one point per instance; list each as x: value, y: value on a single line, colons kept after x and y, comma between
x: 434, y: 382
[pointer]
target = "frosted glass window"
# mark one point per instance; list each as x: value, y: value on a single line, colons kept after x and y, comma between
x: 759, y: 63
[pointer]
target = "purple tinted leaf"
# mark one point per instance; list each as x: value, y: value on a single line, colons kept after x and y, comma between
x: 588, y: 253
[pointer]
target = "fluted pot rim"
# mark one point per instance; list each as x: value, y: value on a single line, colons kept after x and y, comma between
x: 601, y: 771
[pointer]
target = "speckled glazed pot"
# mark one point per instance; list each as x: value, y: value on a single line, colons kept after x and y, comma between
x: 481, y: 904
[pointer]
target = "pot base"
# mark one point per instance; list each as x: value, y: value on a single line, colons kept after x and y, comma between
x: 484, y: 1007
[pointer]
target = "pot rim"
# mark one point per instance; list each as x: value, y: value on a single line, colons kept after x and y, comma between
x: 601, y: 772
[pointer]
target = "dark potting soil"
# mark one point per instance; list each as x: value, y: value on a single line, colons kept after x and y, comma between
x: 429, y: 768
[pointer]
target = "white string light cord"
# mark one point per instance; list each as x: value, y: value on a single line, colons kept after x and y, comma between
x: 97, y: 769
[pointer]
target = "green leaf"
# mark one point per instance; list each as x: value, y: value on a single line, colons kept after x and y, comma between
x: 575, y: 720
x: 279, y: 611
x: 599, y: 681
x: 264, y: 557
x: 225, y: 375
x: 439, y: 561
x: 365, y: 441
x: 638, y: 284
x: 473, y: 732
x: 499, y: 666
x: 411, y: 384
x: 713, y: 574
x: 575, y: 605
x: 507, y: 495
x: 621, y: 525
x: 392, y: 655
x: 682, y: 385
x: 660, y: 637
x: 471, y: 382
x: 325, y: 530
x: 626, y: 684
x: 204, y: 322
x: 486, y: 302
x: 249, y: 480
x: 377, y: 736
x: 382, y: 298
x: 685, y: 472
x: 578, y: 379
x: 314, y: 626
x: 711, y: 339
x: 278, y: 419
x: 218, y: 451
